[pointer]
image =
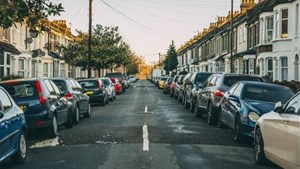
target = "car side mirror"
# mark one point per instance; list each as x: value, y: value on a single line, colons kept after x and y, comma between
x: 278, y: 107
x: 1, y: 114
x: 233, y: 98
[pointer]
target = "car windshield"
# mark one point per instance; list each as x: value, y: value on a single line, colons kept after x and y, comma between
x: 106, y: 82
x: 267, y: 93
x: 20, y: 90
x: 231, y: 80
x: 61, y: 85
x: 90, y: 84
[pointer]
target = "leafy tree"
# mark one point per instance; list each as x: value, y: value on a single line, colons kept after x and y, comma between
x: 171, y: 62
x: 31, y: 12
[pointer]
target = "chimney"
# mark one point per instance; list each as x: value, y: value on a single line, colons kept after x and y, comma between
x: 247, y: 4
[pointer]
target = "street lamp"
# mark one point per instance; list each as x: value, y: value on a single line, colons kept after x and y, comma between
x: 231, y: 38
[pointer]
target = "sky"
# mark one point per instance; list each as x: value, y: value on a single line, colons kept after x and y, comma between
x: 149, y: 26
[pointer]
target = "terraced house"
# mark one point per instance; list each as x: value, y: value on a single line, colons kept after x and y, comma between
x: 26, y: 54
x: 265, y: 41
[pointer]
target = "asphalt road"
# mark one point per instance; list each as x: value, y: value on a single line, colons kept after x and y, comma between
x: 116, y: 136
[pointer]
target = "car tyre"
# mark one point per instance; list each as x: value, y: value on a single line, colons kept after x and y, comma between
x: 53, y: 129
x: 259, y: 154
x: 69, y: 123
x: 210, y: 114
x: 103, y: 102
x: 219, y: 121
x: 186, y: 103
x: 197, y: 112
x: 192, y: 106
x: 76, y: 115
x: 237, y: 129
x: 88, y: 113
x: 20, y: 156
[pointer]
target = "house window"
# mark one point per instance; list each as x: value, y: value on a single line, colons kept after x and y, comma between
x: 276, y: 25
x: 21, y: 71
x: 284, y: 23
x: 297, y: 20
x: 251, y: 66
x: 240, y: 35
x: 6, y: 34
x: 62, y: 70
x: 262, y: 40
x: 284, y: 68
x: 33, y: 68
x: 1, y: 64
x: 245, y: 34
x: 269, y: 63
x: 8, y: 60
x: 45, y: 70
x: 269, y: 29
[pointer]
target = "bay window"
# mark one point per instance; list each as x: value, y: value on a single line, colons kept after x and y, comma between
x: 269, y: 29
x: 284, y: 68
x: 284, y: 23
x: 21, y: 66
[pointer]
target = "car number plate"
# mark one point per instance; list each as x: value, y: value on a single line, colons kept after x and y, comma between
x: 89, y: 92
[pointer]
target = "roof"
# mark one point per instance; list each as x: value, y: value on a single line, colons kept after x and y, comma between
x: 8, y: 47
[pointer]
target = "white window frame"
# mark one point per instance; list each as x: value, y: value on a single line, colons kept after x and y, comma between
x: 297, y: 21
x: 33, y: 68
x: 277, y: 25
x: 62, y: 69
x: 245, y: 34
x: 284, y: 67
x: 269, y: 29
x: 46, y: 69
x: 21, y: 71
x: 283, y: 36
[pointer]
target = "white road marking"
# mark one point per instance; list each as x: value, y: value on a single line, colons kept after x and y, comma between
x: 145, y: 138
x: 46, y: 143
x: 146, y: 109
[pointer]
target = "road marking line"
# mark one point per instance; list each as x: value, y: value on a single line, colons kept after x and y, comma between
x: 145, y: 138
x: 146, y: 109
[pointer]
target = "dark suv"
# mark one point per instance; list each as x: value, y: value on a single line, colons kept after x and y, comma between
x: 73, y: 92
x: 192, y: 86
x: 211, y: 93
x: 120, y: 77
x: 183, y: 86
x: 177, y: 86
x: 95, y: 89
x: 42, y: 102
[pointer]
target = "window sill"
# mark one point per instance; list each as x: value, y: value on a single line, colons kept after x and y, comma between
x: 278, y: 40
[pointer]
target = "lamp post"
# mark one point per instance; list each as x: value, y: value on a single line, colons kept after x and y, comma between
x: 231, y: 38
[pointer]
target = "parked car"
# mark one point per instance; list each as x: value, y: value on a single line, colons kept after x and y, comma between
x: 192, y: 86
x: 178, y: 85
x: 183, y: 87
x: 211, y: 93
x: 45, y: 107
x: 121, y: 78
x: 277, y: 135
x: 166, y: 89
x: 173, y: 85
x: 95, y: 89
x: 109, y: 87
x: 117, y: 85
x: 246, y: 101
x: 162, y: 81
x: 73, y: 92
x: 13, y: 130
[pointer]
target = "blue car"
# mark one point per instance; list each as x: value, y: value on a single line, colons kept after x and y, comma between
x: 246, y: 101
x: 44, y: 105
x: 13, y: 130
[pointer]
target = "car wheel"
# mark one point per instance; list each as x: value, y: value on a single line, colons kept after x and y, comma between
x: 210, y: 115
x: 192, y: 106
x: 107, y: 101
x: 186, y: 103
x: 76, y: 115
x: 103, y: 102
x: 219, y: 120
x: 53, y: 129
x: 259, y: 154
x: 237, y: 129
x: 20, y: 156
x: 115, y: 97
x: 69, y: 123
x: 197, y: 112
x: 178, y: 98
x: 88, y: 113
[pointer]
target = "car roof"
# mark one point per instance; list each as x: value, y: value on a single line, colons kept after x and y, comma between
x: 24, y: 79
x: 262, y: 84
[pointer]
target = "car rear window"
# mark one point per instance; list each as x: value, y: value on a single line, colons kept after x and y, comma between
x: 20, y: 90
x: 267, y: 93
x: 91, y: 84
x: 163, y: 78
x: 201, y: 78
x: 106, y: 82
x: 170, y: 80
x: 61, y: 85
x: 116, y: 75
x: 231, y: 80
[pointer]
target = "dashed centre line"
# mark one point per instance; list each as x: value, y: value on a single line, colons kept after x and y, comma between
x: 146, y: 109
x: 145, y: 138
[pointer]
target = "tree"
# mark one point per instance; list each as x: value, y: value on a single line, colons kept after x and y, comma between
x: 31, y: 12
x: 171, y: 62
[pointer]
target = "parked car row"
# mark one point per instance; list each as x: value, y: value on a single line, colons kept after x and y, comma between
x: 250, y: 107
x: 44, y: 104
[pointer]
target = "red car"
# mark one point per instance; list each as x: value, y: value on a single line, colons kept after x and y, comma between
x: 117, y: 84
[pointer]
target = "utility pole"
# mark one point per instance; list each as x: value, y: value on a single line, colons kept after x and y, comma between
x: 90, y: 39
x: 159, y: 60
x: 231, y: 39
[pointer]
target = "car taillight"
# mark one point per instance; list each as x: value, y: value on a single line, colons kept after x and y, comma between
x: 100, y: 87
x: 69, y: 96
x: 219, y: 93
x: 42, y: 99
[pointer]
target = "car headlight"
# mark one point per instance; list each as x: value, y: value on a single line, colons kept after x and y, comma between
x: 253, y: 116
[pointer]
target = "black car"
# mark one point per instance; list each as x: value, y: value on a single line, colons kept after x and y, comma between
x: 74, y: 93
x: 95, y: 89
x: 182, y: 89
x: 211, y: 93
x: 192, y: 86
x: 178, y: 85
x: 42, y: 102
